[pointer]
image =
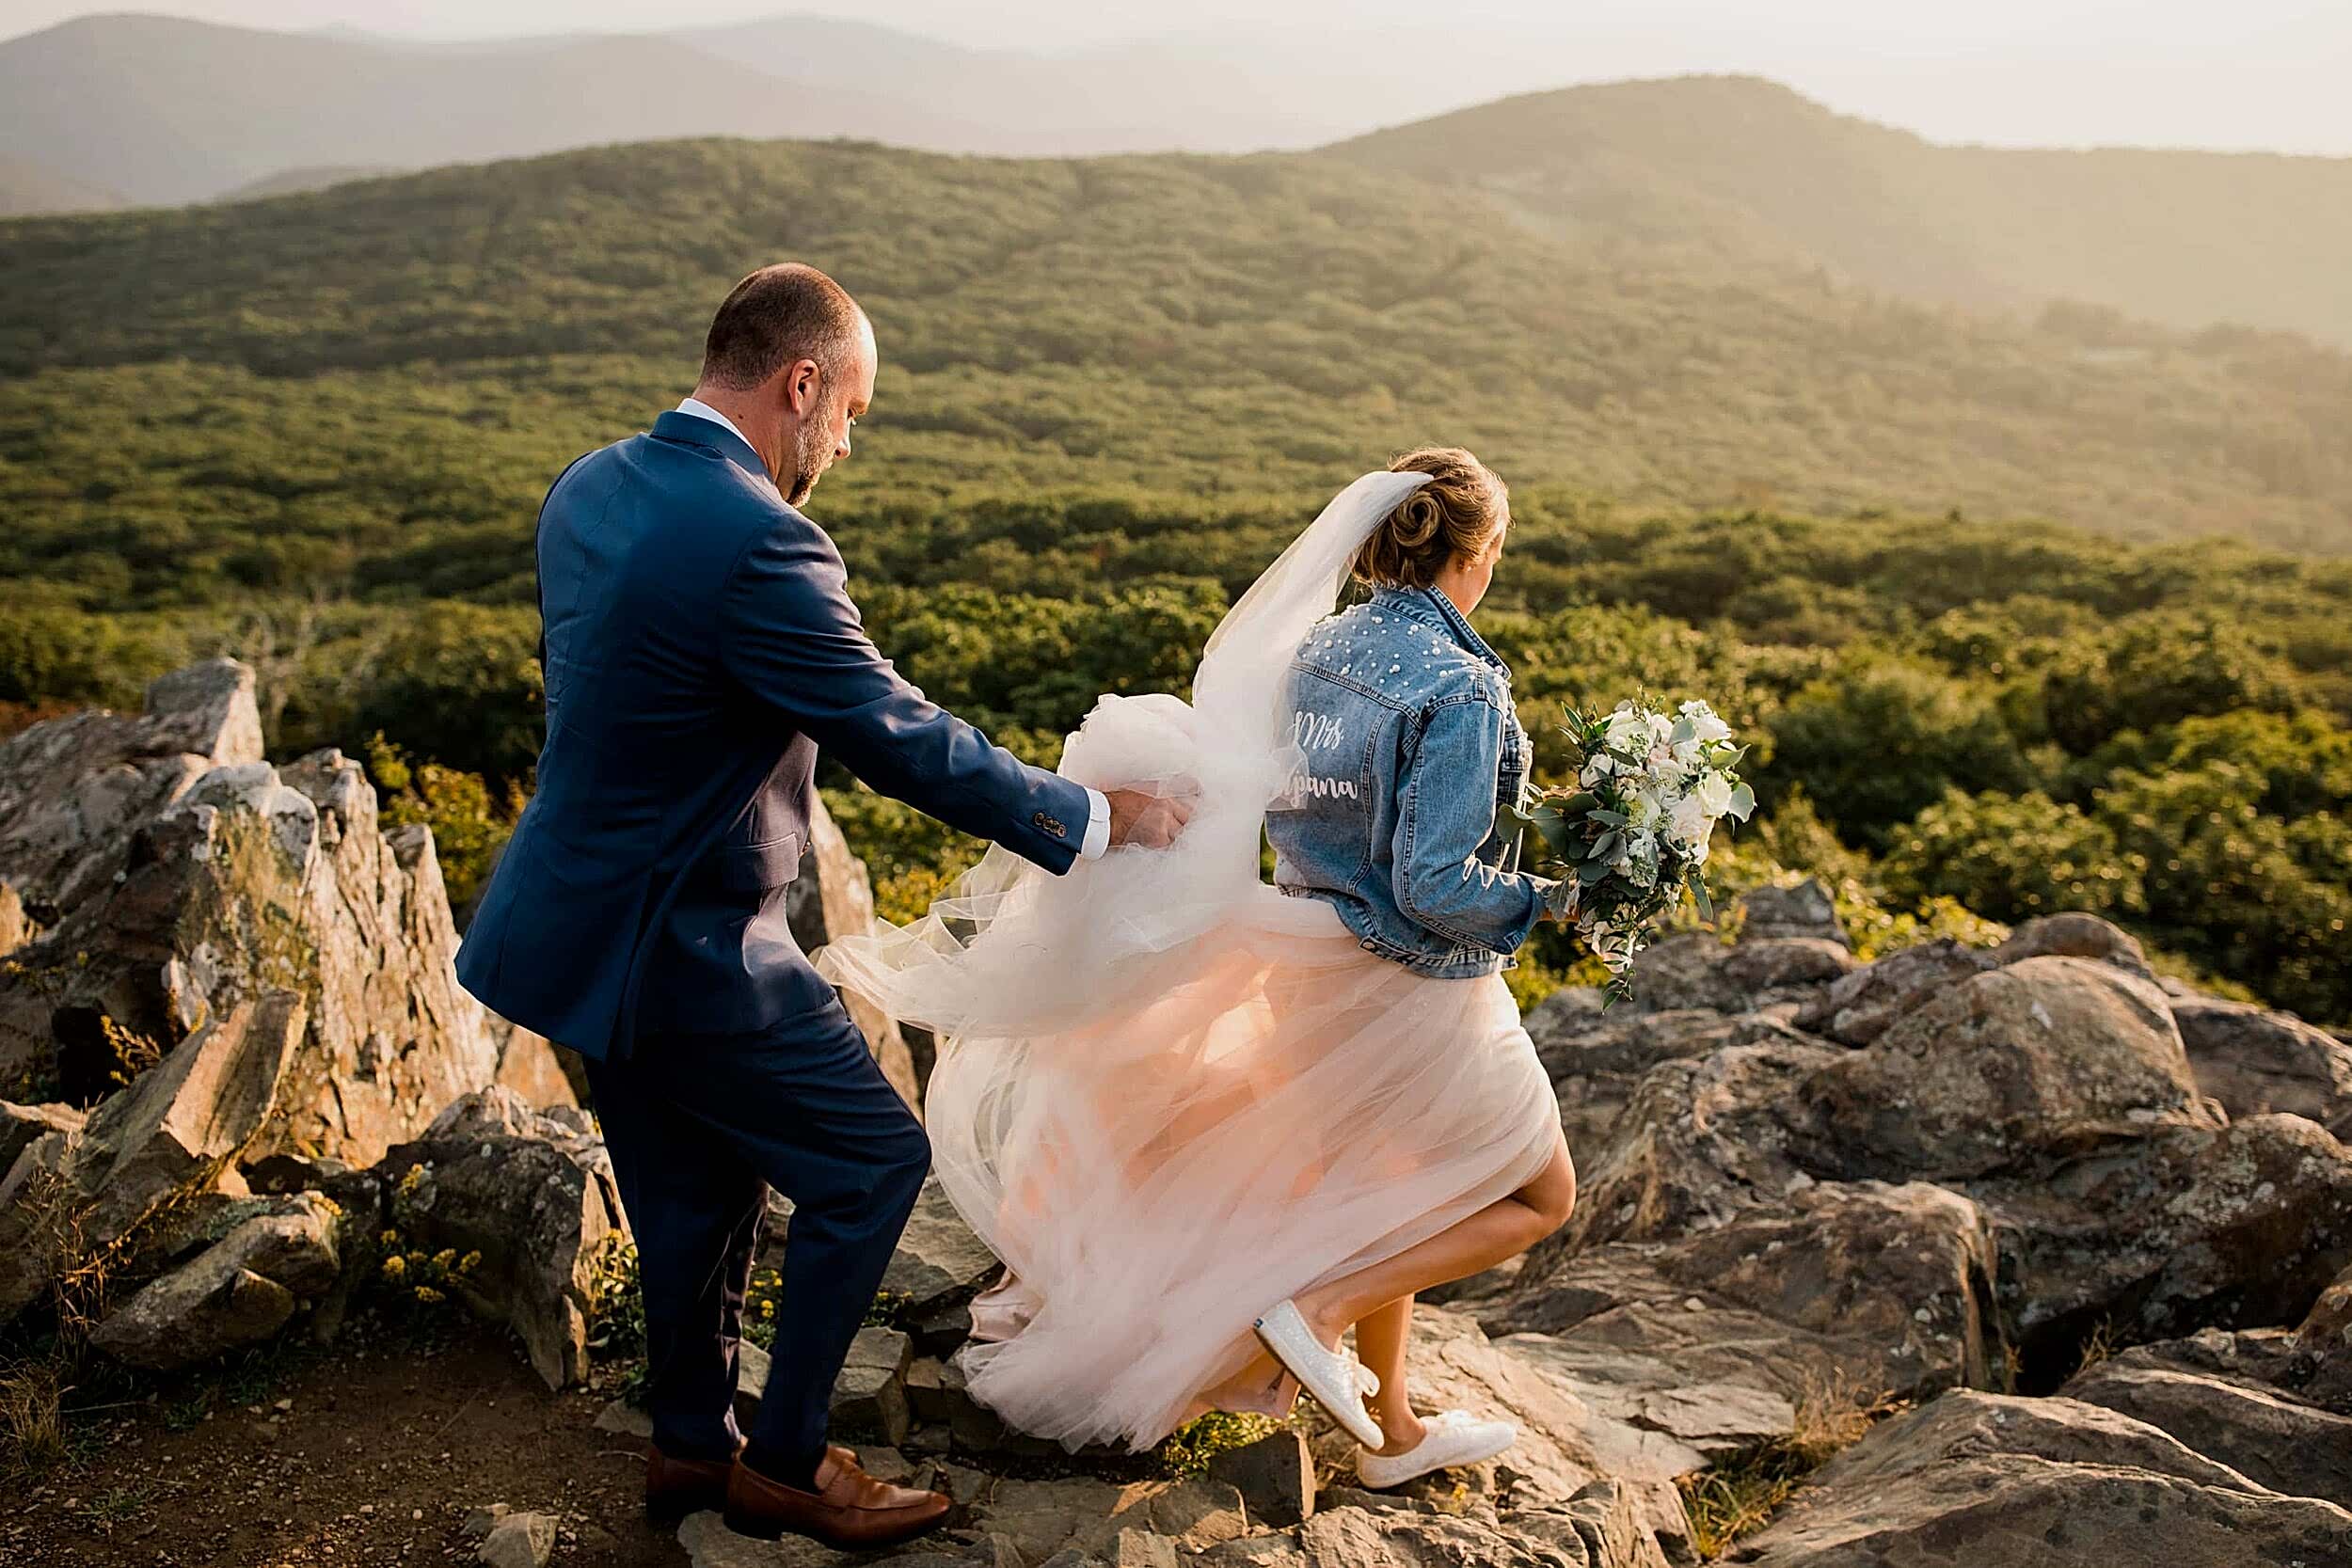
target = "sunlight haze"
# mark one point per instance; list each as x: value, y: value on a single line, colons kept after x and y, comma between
x: 2264, y: 75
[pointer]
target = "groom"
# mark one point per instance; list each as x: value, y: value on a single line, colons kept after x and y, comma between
x: 700, y: 646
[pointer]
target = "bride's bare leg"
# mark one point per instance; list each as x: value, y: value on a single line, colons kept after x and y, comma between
x: 1503, y: 1229
x: 1380, y: 1340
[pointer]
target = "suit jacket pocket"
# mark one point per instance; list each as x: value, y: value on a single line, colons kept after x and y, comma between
x: 758, y: 868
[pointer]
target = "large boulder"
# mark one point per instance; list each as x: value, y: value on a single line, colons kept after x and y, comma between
x: 832, y: 897
x: 74, y: 1194
x: 2253, y: 1060
x: 1865, y: 1288
x: 2234, y: 1226
x: 937, y: 1268
x: 1804, y: 912
x: 2055, y: 1482
x: 2075, y: 935
x: 533, y: 1193
x: 1697, y: 969
x: 2047, y: 1056
x: 238, y: 1292
x: 1596, y: 1059
x: 1859, y: 1007
x: 1700, y: 1141
x: 2260, y: 1431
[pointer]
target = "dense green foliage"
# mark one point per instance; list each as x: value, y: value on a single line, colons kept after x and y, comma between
x: 312, y: 432
x: 364, y: 389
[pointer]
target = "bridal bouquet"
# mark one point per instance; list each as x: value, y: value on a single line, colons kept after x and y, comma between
x: 1631, y: 833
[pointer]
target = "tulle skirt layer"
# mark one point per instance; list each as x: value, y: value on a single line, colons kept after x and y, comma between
x: 1277, y: 1109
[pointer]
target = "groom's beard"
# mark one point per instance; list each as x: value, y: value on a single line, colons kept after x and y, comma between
x: 811, y: 448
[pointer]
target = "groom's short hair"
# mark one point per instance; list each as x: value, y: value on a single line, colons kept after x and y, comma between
x: 775, y: 317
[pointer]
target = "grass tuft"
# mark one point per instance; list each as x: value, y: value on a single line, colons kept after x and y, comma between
x: 1739, y: 1498
x: 32, y: 1418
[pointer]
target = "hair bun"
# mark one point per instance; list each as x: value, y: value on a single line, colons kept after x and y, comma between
x: 1456, y: 514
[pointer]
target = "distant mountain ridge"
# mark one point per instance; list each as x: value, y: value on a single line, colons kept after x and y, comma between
x: 1737, y: 167
x: 1729, y: 173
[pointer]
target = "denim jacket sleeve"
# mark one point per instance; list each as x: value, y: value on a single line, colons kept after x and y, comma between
x: 1446, y: 813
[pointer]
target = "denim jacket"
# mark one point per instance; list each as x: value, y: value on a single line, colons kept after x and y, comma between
x: 1408, y: 742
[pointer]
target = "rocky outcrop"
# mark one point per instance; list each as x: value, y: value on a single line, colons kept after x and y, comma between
x: 74, y: 791
x: 1695, y: 1351
x: 546, y: 1077
x: 21, y: 1126
x: 2264, y: 1434
x: 176, y: 875
x: 2056, y: 1483
x: 1858, y: 1007
x: 532, y: 1194
x: 1948, y: 1171
x: 73, y: 1195
x: 239, y: 1292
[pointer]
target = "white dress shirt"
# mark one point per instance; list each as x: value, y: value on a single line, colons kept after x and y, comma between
x: 1098, y: 834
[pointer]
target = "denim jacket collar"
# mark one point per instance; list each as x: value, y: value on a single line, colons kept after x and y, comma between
x: 1431, y: 607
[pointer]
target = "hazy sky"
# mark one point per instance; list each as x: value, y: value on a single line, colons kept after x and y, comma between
x: 2222, y: 73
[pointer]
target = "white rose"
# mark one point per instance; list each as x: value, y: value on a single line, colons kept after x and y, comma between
x: 1627, y: 732
x: 1713, y: 794
x: 1708, y: 727
x: 1690, y: 824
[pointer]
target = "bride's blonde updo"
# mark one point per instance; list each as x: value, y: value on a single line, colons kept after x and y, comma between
x: 1457, y: 514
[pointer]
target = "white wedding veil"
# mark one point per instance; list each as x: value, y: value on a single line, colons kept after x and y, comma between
x: 1014, y: 952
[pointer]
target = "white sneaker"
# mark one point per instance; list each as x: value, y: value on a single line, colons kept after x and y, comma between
x: 1334, y: 1379
x: 1453, y: 1438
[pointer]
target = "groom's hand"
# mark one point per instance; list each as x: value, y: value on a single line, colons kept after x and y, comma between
x: 1146, y: 821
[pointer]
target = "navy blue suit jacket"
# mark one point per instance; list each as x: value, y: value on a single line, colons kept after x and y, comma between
x: 700, y: 646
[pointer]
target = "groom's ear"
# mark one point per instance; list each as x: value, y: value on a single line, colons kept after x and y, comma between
x: 802, y: 381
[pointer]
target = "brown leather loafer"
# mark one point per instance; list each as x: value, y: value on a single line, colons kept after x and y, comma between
x: 849, y: 1510
x: 677, y: 1487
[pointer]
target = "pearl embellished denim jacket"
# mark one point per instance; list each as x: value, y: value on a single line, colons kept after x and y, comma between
x: 1407, y: 742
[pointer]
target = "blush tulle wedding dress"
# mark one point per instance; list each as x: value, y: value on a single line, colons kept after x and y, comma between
x: 1169, y: 1095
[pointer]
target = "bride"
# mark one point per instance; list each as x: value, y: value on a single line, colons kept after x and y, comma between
x: 1211, y: 1124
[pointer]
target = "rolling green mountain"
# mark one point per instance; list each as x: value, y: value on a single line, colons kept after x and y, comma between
x: 361, y: 369
x: 1747, y: 172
